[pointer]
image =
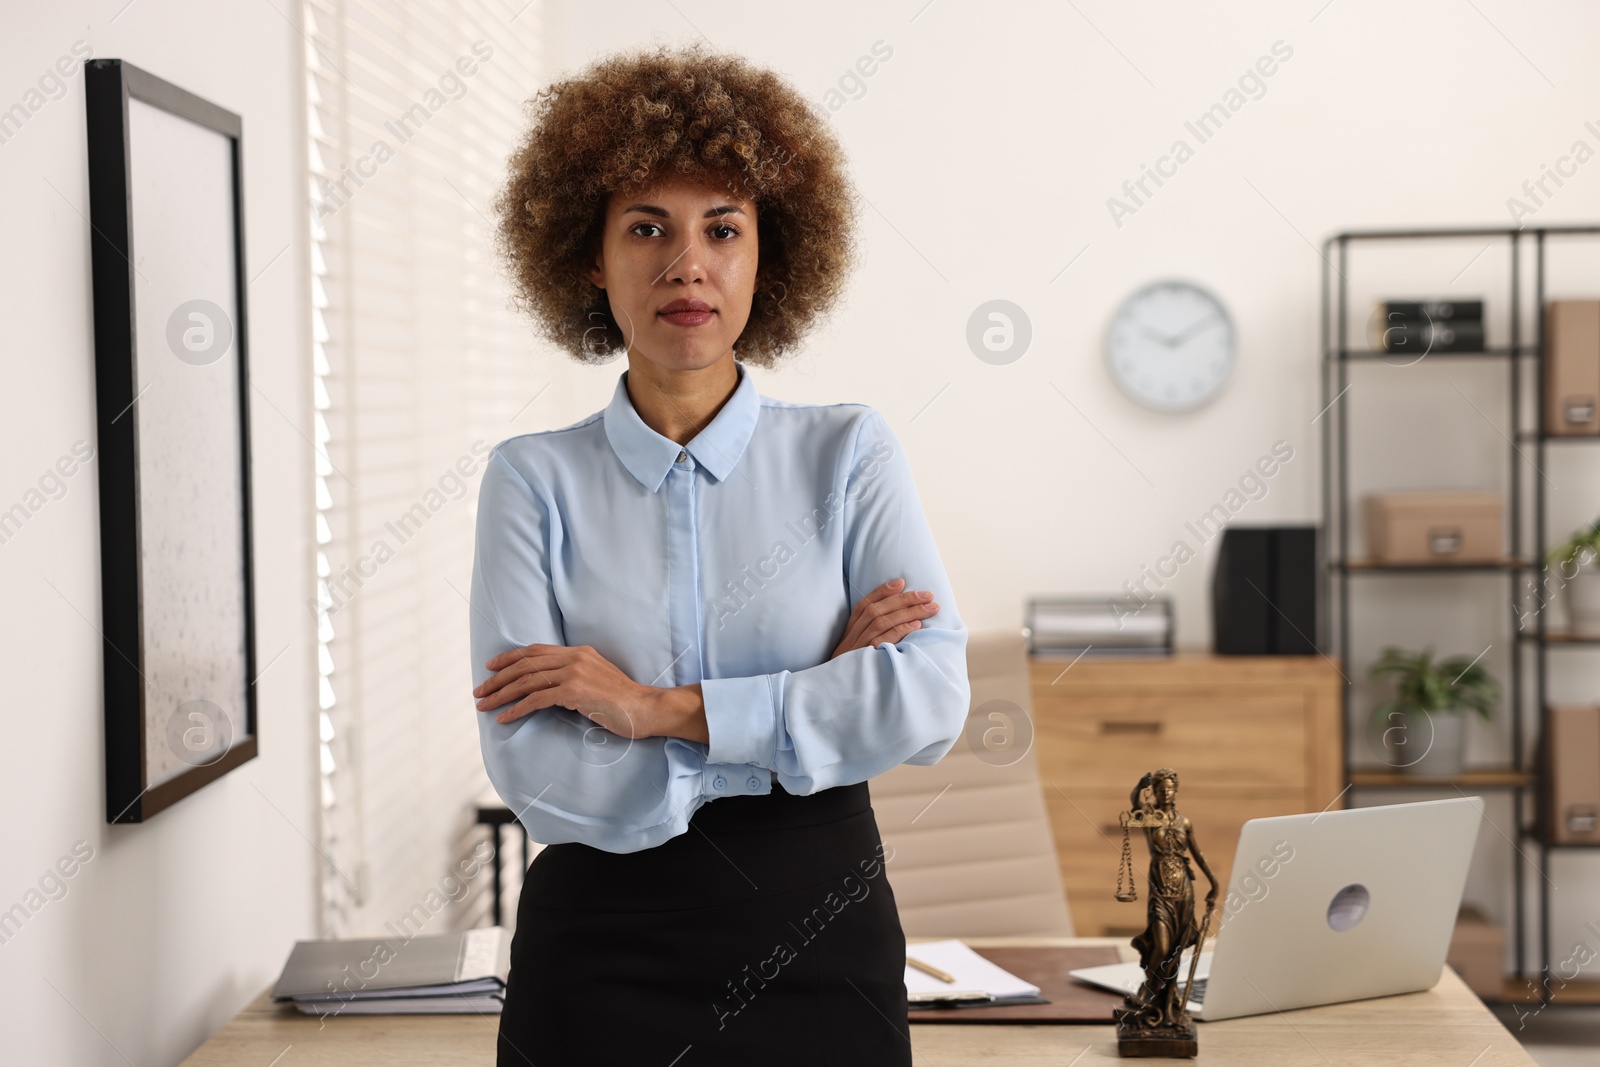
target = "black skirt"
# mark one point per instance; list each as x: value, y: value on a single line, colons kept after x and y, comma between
x: 766, y: 929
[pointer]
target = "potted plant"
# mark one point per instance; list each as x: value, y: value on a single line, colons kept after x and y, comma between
x: 1575, y: 564
x: 1424, y: 729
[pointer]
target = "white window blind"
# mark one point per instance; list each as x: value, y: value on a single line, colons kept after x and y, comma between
x: 419, y: 367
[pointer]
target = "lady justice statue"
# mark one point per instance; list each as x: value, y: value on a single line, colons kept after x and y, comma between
x: 1156, y: 1022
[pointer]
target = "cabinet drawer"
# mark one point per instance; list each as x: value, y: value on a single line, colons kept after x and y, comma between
x: 1216, y: 740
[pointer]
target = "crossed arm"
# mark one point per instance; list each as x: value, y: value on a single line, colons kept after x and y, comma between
x: 539, y: 676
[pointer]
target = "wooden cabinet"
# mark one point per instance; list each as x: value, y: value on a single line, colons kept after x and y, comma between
x: 1248, y: 736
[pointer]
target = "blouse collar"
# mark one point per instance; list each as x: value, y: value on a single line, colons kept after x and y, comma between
x: 648, y: 455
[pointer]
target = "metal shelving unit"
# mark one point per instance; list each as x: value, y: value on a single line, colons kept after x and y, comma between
x: 1522, y: 777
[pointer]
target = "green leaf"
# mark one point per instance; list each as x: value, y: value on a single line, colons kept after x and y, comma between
x: 1423, y: 685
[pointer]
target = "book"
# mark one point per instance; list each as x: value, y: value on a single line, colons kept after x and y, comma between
x: 486, y: 1004
x: 1419, y: 338
x: 1392, y: 311
x: 443, y: 973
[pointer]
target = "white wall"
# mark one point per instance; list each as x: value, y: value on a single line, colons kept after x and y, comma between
x: 989, y: 143
x: 174, y: 924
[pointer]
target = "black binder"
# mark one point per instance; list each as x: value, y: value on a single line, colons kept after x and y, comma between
x: 1264, y: 592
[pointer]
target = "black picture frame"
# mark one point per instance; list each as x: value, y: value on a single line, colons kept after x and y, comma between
x: 177, y: 566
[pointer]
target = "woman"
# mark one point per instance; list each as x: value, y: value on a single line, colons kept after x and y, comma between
x: 678, y: 697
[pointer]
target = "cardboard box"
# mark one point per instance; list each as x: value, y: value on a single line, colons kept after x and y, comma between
x: 1435, y: 527
x: 1570, y: 812
x: 1572, y: 367
x: 1477, y: 953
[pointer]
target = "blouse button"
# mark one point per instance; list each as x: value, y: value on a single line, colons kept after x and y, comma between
x: 754, y: 782
x: 682, y: 455
x: 720, y: 781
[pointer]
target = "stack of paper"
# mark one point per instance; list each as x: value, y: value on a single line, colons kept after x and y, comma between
x: 1109, y: 626
x: 973, y: 974
x: 436, y: 974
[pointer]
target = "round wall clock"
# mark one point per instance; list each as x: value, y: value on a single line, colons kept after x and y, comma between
x: 1171, y: 346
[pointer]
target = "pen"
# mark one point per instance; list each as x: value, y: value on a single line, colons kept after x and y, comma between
x: 943, y: 976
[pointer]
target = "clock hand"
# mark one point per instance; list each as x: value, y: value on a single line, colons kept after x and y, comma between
x: 1184, y: 335
x: 1159, y: 338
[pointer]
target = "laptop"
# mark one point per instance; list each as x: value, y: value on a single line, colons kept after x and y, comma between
x: 1334, y: 906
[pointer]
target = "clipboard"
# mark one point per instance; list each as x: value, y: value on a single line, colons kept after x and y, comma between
x: 1062, y: 998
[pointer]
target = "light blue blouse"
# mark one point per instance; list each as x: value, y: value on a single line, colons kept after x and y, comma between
x: 734, y: 562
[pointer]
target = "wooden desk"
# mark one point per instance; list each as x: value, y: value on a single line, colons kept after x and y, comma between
x: 1446, y: 1025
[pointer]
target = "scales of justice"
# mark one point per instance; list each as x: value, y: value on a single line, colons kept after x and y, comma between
x: 1156, y: 1020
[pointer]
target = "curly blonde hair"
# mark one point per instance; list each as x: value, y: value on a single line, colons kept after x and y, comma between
x: 631, y: 119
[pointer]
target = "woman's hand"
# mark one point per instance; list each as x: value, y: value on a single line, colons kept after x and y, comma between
x: 885, y: 614
x: 535, y: 677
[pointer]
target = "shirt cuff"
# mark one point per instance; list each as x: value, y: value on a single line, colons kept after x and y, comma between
x: 741, y: 719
